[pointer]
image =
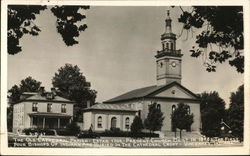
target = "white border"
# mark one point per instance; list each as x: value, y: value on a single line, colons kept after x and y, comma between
x: 117, y: 151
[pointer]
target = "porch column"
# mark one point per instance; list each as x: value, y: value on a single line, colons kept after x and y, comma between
x: 58, y: 121
x: 31, y: 121
x: 43, y: 122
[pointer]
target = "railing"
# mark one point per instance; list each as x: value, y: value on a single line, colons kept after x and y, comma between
x: 169, y: 52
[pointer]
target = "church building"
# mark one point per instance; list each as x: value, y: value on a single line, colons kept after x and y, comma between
x: 167, y: 93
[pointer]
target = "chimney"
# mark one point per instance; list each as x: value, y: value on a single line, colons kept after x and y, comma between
x: 41, y: 91
x: 88, y: 103
x: 53, y: 91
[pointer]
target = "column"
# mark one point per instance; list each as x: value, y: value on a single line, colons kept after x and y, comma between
x: 43, y: 122
x: 31, y: 121
x: 121, y: 122
x: 108, y: 128
x: 58, y: 121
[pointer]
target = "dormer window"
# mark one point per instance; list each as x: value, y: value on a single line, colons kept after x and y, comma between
x: 49, y: 107
x: 49, y: 96
x: 63, y: 109
x: 34, y: 107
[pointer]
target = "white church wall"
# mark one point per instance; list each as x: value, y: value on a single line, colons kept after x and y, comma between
x: 87, y: 118
x: 104, y: 122
x: 166, y: 108
x: 175, y: 92
x: 92, y: 118
x: 131, y: 118
x: 118, y: 121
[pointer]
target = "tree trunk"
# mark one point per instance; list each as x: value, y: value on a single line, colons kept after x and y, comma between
x: 180, y: 134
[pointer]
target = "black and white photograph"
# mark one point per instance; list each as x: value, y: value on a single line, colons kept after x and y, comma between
x: 154, y: 76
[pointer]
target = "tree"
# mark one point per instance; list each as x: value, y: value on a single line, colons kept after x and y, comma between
x: 236, y: 113
x: 154, y: 120
x: 71, y: 84
x: 222, y: 36
x: 212, y: 111
x: 137, y: 125
x: 27, y: 85
x: 181, y: 117
x: 15, y: 94
x: 21, y: 20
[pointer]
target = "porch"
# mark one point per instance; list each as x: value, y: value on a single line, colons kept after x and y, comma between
x: 49, y: 120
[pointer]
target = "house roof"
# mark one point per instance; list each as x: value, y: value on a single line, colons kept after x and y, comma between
x: 43, y: 98
x: 39, y: 97
x: 45, y: 114
x: 146, y: 92
x: 110, y: 107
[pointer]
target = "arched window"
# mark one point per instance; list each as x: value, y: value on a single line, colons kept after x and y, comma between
x: 139, y: 113
x: 172, y: 46
x: 163, y: 46
x: 99, y: 122
x: 173, y: 108
x: 188, y: 109
x: 127, y: 123
x: 158, y: 106
x: 167, y: 46
x: 113, y: 122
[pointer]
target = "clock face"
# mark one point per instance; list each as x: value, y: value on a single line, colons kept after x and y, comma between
x: 173, y: 64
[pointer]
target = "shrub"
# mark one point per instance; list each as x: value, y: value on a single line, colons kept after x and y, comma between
x: 137, y: 125
x: 73, y: 128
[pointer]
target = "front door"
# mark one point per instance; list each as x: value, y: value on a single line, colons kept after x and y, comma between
x: 113, y: 122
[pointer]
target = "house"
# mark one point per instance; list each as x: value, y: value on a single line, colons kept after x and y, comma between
x: 167, y: 93
x: 42, y: 110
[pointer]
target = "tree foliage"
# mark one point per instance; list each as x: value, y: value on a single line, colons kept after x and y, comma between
x: 21, y: 20
x: 222, y: 36
x: 27, y: 85
x: 137, y: 125
x: 212, y: 111
x: 181, y: 117
x: 72, y: 84
x: 236, y: 113
x: 154, y: 120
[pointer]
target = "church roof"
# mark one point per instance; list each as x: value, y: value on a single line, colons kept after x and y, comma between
x: 145, y: 92
x: 109, y: 107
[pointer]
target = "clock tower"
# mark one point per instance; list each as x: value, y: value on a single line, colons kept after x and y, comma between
x: 168, y: 60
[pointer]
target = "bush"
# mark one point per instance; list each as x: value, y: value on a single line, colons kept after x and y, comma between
x: 115, y: 130
x: 65, y: 132
x: 84, y: 134
x: 137, y: 125
x: 73, y: 128
x: 36, y: 131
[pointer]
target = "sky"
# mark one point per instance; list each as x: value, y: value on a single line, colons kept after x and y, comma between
x: 116, y: 53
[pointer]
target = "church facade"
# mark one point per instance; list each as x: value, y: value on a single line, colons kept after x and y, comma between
x: 167, y: 93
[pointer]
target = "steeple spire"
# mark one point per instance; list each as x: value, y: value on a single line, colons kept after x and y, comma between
x: 168, y: 23
x: 168, y: 59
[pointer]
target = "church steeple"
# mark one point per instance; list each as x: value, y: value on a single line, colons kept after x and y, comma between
x: 168, y: 23
x: 168, y: 59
